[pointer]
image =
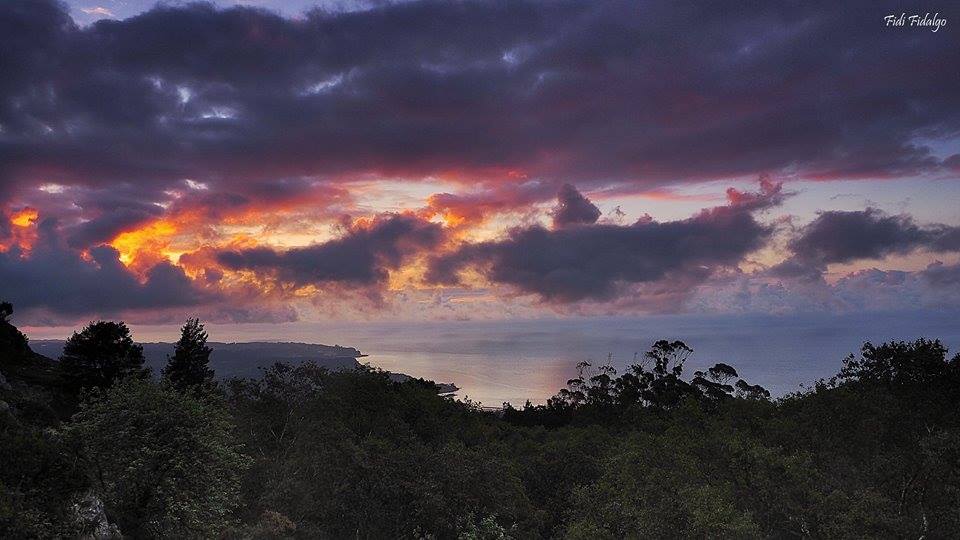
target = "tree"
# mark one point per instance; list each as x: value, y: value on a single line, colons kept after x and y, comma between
x: 164, y: 463
x: 189, y: 365
x: 666, y: 389
x: 746, y: 390
x: 100, y: 354
x: 713, y: 384
x: 901, y: 365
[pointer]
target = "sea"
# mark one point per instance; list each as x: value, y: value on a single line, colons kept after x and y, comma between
x: 514, y: 361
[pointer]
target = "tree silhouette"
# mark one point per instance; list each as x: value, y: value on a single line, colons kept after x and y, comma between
x: 900, y: 364
x: 746, y: 390
x: 100, y: 354
x: 713, y: 383
x: 189, y: 365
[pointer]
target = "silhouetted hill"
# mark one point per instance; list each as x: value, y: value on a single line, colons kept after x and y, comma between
x: 19, y: 362
x: 25, y: 373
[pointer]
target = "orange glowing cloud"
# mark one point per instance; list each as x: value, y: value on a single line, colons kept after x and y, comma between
x: 162, y: 239
x: 25, y: 217
x: 147, y: 241
x: 23, y: 233
x: 470, y: 209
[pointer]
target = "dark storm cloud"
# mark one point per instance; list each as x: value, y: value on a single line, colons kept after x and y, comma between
x: 597, y: 261
x: 52, y: 276
x: 361, y: 257
x: 583, y: 91
x: 840, y: 237
x: 843, y: 237
x: 573, y: 208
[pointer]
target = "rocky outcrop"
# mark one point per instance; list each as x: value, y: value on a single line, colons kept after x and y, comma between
x: 92, y: 519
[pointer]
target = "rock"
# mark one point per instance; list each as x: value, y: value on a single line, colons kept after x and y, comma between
x: 4, y: 385
x: 92, y: 519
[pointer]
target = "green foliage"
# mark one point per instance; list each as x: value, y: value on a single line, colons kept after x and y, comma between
x: 39, y: 480
x: 189, y: 365
x: 884, y: 434
x: 353, y: 454
x: 165, y: 464
x: 483, y: 529
x: 661, y: 486
x: 100, y: 354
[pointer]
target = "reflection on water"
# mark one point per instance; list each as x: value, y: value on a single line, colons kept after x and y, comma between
x: 487, y: 379
x: 513, y: 361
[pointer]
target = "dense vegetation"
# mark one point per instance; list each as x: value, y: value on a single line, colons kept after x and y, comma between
x: 91, y: 447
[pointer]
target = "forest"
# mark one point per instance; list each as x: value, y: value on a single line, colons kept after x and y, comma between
x: 92, y: 445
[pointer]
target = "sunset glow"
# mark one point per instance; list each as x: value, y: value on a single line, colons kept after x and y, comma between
x: 25, y: 217
x: 560, y: 168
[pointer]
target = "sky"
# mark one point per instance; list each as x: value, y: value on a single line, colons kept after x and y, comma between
x: 280, y: 162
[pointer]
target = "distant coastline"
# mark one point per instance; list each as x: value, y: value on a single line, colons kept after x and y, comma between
x: 246, y: 359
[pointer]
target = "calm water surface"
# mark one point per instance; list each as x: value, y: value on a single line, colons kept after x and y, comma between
x: 494, y: 362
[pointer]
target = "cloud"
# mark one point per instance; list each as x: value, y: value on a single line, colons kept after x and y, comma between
x: 942, y: 275
x: 847, y: 236
x: 591, y: 93
x: 771, y: 194
x: 573, y: 208
x: 859, y: 291
x: 839, y: 237
x: 599, y: 261
x: 475, y: 206
x: 892, y: 290
x: 361, y: 257
x: 97, y: 10
x: 108, y: 225
x: 53, y: 277
x: 506, y: 101
x: 53, y: 282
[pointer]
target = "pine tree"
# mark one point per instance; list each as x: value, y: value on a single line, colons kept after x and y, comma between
x: 189, y: 365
